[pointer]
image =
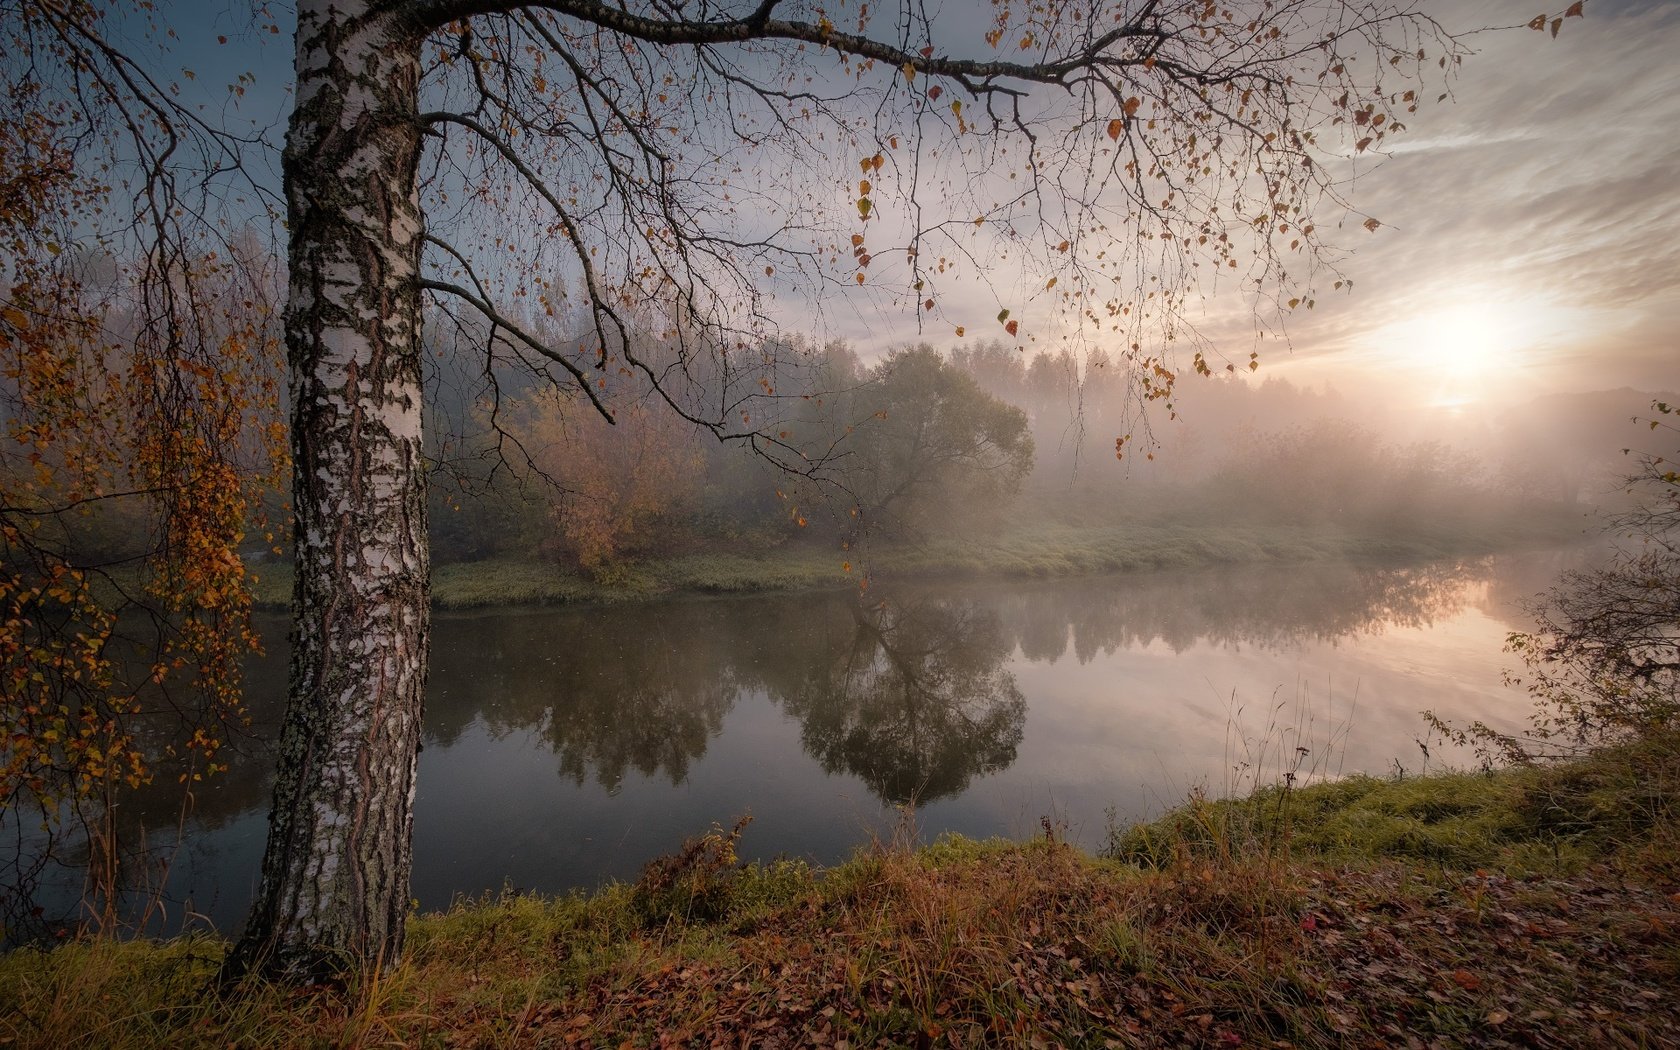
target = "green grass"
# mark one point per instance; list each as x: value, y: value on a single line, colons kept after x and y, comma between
x: 1017, y: 550
x: 1540, y: 819
x: 1533, y: 907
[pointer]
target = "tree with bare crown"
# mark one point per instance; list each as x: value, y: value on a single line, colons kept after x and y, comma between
x: 651, y: 178
x: 680, y: 158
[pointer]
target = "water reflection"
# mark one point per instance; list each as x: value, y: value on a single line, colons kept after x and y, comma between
x: 910, y: 696
x: 566, y: 746
x: 1269, y: 608
x: 909, y: 692
x: 918, y: 702
x: 609, y: 692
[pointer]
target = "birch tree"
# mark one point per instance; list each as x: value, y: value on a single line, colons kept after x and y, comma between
x: 1094, y: 166
x: 1130, y: 154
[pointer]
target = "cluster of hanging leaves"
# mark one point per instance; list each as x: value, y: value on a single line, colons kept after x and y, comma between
x: 57, y: 426
x: 138, y: 431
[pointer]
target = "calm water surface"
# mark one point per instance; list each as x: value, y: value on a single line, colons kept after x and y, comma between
x: 568, y: 747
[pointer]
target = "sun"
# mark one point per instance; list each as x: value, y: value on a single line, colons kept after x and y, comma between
x: 1458, y: 352
x: 1466, y: 352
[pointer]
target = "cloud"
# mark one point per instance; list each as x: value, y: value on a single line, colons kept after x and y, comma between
x: 1550, y: 179
x: 1546, y: 182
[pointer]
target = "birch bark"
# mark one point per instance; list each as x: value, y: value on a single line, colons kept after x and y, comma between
x: 334, y: 891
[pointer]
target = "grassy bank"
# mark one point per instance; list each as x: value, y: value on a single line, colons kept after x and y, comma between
x: 1015, y: 551
x: 1537, y: 907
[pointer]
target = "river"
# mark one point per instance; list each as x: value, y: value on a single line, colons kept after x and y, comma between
x: 566, y: 747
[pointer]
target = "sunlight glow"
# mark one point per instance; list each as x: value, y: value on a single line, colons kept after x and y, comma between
x: 1462, y: 353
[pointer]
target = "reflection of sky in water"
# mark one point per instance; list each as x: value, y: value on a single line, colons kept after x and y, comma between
x: 566, y: 747
x: 1138, y: 729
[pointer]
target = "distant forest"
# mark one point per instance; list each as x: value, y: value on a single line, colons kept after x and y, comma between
x: 979, y: 439
x: 983, y: 436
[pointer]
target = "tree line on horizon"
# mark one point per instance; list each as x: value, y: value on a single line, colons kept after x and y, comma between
x: 924, y: 443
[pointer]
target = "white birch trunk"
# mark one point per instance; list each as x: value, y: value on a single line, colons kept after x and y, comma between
x: 335, y: 878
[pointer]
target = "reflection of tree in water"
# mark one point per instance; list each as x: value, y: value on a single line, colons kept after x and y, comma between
x: 917, y: 701
x: 654, y: 719
x: 610, y: 691
x: 913, y: 697
x: 1265, y: 607
x: 645, y: 688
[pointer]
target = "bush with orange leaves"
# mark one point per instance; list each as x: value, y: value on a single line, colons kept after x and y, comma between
x: 617, y: 487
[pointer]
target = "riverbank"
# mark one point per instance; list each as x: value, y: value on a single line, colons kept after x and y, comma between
x: 1536, y: 907
x: 1014, y: 552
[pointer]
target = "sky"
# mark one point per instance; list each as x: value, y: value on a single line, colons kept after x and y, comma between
x: 1530, y: 238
